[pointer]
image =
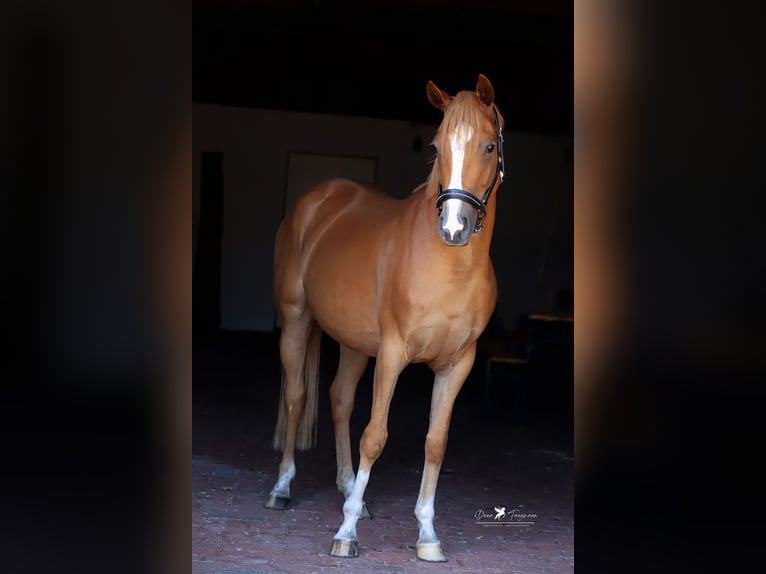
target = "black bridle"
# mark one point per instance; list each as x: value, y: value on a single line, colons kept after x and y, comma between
x: 479, y: 204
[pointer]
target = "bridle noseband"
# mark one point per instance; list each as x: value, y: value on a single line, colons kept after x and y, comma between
x: 479, y: 204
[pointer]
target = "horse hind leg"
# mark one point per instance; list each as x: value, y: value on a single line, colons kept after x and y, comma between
x: 296, y: 423
x: 350, y: 369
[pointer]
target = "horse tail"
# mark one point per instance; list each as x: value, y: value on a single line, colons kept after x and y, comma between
x: 306, y: 434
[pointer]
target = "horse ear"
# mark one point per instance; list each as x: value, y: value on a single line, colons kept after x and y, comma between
x: 485, y: 91
x: 437, y: 97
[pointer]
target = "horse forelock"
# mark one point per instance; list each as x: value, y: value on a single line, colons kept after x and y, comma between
x: 463, y: 114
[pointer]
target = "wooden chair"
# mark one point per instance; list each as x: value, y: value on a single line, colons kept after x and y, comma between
x: 510, y: 356
x: 505, y: 356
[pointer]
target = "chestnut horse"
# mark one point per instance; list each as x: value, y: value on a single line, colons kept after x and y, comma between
x: 405, y: 281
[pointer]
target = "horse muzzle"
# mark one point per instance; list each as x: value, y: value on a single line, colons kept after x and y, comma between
x: 457, y: 221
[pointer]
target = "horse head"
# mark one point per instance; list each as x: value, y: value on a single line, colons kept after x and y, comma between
x: 469, y: 159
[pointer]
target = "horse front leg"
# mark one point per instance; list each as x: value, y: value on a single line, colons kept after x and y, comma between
x: 390, y: 362
x: 447, y: 384
x: 350, y: 369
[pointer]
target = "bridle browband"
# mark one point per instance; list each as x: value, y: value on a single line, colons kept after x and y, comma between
x: 479, y: 204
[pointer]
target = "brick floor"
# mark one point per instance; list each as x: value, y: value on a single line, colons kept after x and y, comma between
x: 490, y: 462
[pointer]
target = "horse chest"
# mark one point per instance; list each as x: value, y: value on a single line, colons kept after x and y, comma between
x: 440, y: 344
x: 440, y: 333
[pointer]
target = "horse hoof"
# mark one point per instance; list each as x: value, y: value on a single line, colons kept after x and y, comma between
x: 344, y: 548
x: 431, y: 552
x: 365, y: 515
x: 277, y: 502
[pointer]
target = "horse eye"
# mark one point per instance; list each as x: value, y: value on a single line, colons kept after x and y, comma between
x: 490, y: 148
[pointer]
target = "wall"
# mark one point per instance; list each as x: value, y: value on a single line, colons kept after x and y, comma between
x: 532, y: 247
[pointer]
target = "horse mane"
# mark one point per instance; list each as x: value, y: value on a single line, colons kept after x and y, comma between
x: 464, y: 110
x: 420, y: 187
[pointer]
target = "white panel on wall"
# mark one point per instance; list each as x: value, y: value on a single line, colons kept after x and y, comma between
x: 304, y: 170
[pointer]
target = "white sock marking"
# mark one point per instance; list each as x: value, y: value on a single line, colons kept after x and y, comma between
x: 424, y: 512
x: 282, y: 487
x: 353, y: 507
x: 348, y: 487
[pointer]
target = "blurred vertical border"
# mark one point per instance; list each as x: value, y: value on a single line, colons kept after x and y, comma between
x: 669, y: 277
x: 96, y: 243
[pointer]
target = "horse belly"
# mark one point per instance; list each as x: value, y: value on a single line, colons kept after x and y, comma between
x: 340, y: 287
x: 353, y: 326
x: 345, y: 229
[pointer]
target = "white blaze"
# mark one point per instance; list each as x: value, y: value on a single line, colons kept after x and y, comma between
x: 453, y: 224
x: 457, y: 142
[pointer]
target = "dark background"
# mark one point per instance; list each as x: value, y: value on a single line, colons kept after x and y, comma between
x: 362, y: 58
